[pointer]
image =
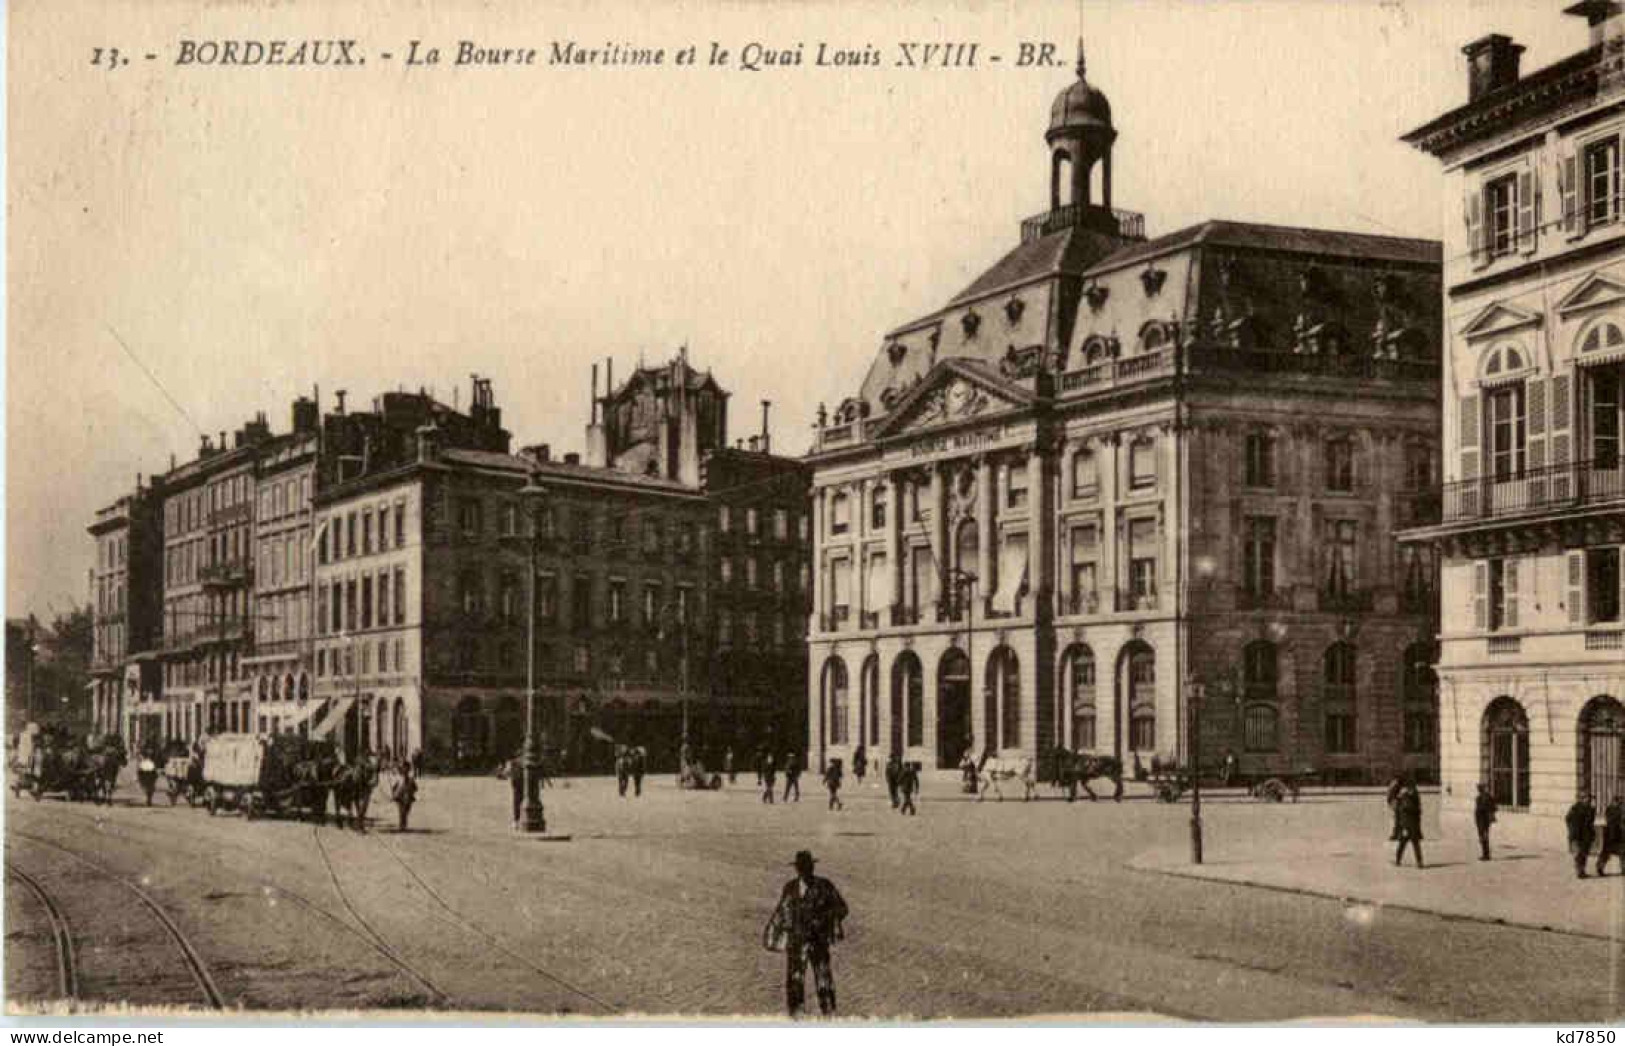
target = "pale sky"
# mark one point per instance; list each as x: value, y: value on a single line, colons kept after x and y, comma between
x: 251, y: 232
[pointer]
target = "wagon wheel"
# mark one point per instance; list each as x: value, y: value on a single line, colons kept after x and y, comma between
x: 1168, y: 791
x: 1272, y: 791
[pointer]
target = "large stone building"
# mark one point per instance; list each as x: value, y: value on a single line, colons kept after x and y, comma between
x: 363, y: 576
x: 1530, y: 519
x: 1112, y: 466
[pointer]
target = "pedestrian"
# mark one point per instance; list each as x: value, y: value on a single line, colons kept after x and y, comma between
x: 792, y: 775
x: 405, y: 793
x: 810, y: 916
x: 832, y: 781
x: 146, y: 775
x: 515, y: 769
x: 768, y: 776
x: 1228, y: 773
x: 417, y: 762
x: 1396, y: 785
x: 1613, y: 835
x: 894, y: 776
x: 1410, y: 823
x: 623, y: 769
x: 728, y: 763
x: 908, y: 782
x: 860, y: 763
x: 640, y: 762
x: 762, y: 759
x: 1581, y: 821
x: 1483, y: 817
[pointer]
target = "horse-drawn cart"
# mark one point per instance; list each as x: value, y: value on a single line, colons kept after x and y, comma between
x: 1278, y: 787
x: 46, y: 761
x: 1168, y: 779
x: 183, y: 779
x: 256, y: 775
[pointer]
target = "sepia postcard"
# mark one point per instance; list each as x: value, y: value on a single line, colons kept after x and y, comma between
x: 1085, y: 510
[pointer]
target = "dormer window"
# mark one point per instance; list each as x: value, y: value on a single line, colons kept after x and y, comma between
x: 970, y: 324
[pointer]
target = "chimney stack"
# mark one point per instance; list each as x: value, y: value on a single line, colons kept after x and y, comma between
x: 1492, y: 63
x: 766, y: 440
x: 340, y: 394
x: 1599, y: 14
x: 594, y: 400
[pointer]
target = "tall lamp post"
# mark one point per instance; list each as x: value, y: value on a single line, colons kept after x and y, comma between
x: 1193, y: 705
x: 964, y: 579
x: 531, y: 816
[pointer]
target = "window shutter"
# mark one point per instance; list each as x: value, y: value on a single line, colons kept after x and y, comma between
x: 1568, y: 187
x: 1559, y: 437
x: 1528, y: 211
x: 1475, y: 227
x: 1468, y: 493
x: 1509, y: 592
x: 1481, y: 587
x: 1576, y: 587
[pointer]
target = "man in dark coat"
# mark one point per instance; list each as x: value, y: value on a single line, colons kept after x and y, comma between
x: 808, y: 920
x: 728, y: 764
x: 405, y: 793
x: 1613, y: 834
x: 860, y: 763
x: 792, y: 775
x: 639, y: 760
x: 1396, y: 785
x: 908, y: 782
x: 1483, y: 817
x: 1581, y: 821
x: 894, y: 776
x: 515, y: 771
x: 623, y: 769
x: 1409, y: 812
x: 765, y: 771
x: 832, y: 781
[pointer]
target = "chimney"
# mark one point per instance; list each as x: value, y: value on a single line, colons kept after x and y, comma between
x: 1492, y: 63
x: 609, y: 376
x: 428, y: 441
x: 572, y: 459
x: 541, y: 453
x: 304, y: 415
x: 767, y: 442
x: 206, y: 447
x: 340, y: 394
x: 594, y: 400
x: 222, y: 439
x: 1598, y: 15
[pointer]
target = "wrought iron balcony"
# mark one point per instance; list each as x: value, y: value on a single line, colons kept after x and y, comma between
x: 1263, y: 599
x: 1350, y: 601
x: 1129, y: 600
x: 869, y: 619
x: 903, y: 614
x: 1553, y: 488
x: 1083, y: 603
x: 226, y: 575
x: 1130, y: 225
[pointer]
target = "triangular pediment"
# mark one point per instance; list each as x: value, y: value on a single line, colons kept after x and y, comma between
x: 1594, y: 292
x: 951, y: 392
x: 1498, y: 318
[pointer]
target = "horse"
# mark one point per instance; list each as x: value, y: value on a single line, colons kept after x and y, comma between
x: 1079, y: 768
x: 315, y: 777
x: 352, y: 792
x: 103, y: 767
x: 995, y: 769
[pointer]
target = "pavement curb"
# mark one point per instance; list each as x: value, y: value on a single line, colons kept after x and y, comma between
x: 1303, y: 891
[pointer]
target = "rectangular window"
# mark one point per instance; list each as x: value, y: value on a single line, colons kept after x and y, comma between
x: 921, y: 574
x: 651, y: 605
x: 400, y: 595
x: 1340, y: 465
x: 1498, y: 594
x: 1258, y: 568
x: 750, y: 521
x: 781, y: 524
x: 1419, y: 730
x: 508, y: 599
x: 581, y: 601
x: 1085, y: 474
x: 1142, y: 733
x: 400, y: 524
x: 366, y: 602
x: 750, y: 571
x: 366, y: 533
x: 1016, y: 487
x: 1142, y: 456
x: 723, y: 519
x: 1605, y: 417
x: 349, y: 534
x: 1260, y: 460
x: 778, y: 576
x: 468, y: 516
x: 1602, y: 585
x: 510, y: 520
x: 839, y: 514
x: 383, y: 598
x: 1084, y: 570
x: 468, y: 592
x: 547, y: 597
x: 617, y: 601
x: 1340, y: 732
x: 1142, y: 559
x: 1501, y: 214
x: 1418, y: 466
x: 1505, y: 422
x: 583, y: 531
x: 1341, y: 549
x: 1602, y: 182
x: 1417, y: 573
x: 350, y: 605
x: 877, y: 509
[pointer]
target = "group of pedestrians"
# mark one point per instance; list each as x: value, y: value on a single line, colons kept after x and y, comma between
x: 1581, y: 821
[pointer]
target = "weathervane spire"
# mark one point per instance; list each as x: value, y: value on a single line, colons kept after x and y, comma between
x: 1080, y: 58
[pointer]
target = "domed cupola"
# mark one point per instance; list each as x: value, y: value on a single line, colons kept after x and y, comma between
x: 1080, y: 135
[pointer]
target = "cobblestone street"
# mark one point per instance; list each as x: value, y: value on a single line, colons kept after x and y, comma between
x: 656, y: 905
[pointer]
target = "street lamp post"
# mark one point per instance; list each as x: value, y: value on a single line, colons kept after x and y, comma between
x: 967, y: 580
x: 531, y: 814
x: 1193, y: 702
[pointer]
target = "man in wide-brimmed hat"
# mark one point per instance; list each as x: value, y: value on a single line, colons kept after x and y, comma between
x: 808, y: 919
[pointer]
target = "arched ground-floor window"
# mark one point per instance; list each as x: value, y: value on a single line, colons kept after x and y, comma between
x: 1505, y: 753
x: 1078, y: 682
x: 1602, y: 750
x: 836, y: 698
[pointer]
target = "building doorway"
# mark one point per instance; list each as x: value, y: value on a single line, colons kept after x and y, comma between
x: 954, y: 737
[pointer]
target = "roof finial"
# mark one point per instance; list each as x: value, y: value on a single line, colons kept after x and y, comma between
x: 1080, y: 58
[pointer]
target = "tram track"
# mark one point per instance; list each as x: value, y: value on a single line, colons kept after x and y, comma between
x: 61, y: 933
x: 193, y: 960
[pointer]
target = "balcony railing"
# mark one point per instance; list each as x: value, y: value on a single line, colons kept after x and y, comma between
x: 1083, y: 603
x: 1360, y: 365
x: 1263, y: 599
x: 905, y: 615
x: 1111, y: 374
x: 1129, y: 600
x: 235, y: 572
x: 1128, y: 224
x: 1353, y: 601
x: 1545, y: 489
x: 869, y: 619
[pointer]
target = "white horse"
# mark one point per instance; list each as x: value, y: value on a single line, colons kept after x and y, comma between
x: 996, y: 770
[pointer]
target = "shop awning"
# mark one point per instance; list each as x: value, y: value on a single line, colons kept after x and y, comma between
x: 1012, y: 574
x: 335, y: 715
